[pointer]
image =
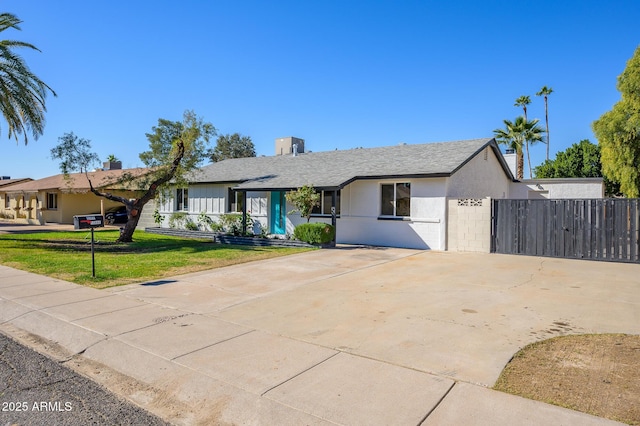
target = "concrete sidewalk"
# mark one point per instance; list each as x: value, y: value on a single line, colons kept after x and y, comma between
x: 344, y: 336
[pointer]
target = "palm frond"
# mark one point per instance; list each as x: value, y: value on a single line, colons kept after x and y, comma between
x: 22, y: 93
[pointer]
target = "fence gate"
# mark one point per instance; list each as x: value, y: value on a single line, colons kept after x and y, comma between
x: 603, y: 229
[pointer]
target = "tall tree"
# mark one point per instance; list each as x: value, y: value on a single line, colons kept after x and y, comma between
x: 581, y: 159
x: 232, y: 146
x: 511, y: 138
x: 618, y: 132
x: 546, y: 91
x: 532, y: 134
x: 522, y: 102
x: 176, y: 148
x: 22, y: 93
x: 74, y: 154
x: 516, y: 135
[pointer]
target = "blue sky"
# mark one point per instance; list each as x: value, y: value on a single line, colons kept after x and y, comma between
x: 339, y: 74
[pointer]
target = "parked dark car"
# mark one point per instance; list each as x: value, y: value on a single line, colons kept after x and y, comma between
x: 115, y: 215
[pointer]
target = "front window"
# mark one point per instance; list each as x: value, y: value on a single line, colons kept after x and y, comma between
x: 7, y: 201
x: 234, y: 201
x: 324, y: 205
x: 52, y: 201
x: 182, y: 199
x: 396, y: 199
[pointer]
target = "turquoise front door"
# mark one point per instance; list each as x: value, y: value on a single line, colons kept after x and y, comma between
x: 278, y: 213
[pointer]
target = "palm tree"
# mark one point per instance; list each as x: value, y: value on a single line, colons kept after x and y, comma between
x: 546, y: 91
x: 523, y: 101
x: 511, y: 137
x: 22, y: 93
x: 518, y: 134
x: 532, y: 134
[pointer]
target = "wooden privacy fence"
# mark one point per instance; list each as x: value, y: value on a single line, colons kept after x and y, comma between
x: 600, y: 229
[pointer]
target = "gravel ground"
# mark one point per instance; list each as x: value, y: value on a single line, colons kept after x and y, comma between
x: 35, y: 390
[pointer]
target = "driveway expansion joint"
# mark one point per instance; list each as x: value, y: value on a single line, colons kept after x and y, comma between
x: 437, y: 404
x: 297, y: 375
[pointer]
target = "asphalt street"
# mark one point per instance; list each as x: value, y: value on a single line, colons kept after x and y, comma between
x: 36, y: 390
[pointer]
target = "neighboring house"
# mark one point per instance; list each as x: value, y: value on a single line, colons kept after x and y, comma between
x: 5, y: 201
x: 56, y: 199
x: 388, y: 196
x: 6, y: 181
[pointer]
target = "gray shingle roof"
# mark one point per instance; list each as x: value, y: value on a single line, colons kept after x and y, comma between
x: 334, y: 169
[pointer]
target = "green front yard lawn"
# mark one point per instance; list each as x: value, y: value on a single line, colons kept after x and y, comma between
x: 67, y: 256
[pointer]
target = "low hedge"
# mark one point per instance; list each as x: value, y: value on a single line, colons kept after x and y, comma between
x: 314, y: 233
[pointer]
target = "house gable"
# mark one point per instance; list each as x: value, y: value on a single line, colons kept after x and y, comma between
x: 483, y: 175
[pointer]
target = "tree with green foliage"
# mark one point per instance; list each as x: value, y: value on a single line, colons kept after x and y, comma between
x: 176, y: 148
x: 523, y: 101
x: 516, y: 135
x: 546, y: 91
x: 511, y: 139
x: 618, y: 132
x: 304, y: 199
x: 22, y: 93
x: 74, y: 154
x: 232, y: 146
x: 580, y: 160
x: 532, y: 134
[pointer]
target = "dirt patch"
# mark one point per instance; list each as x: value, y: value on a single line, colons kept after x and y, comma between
x: 597, y: 374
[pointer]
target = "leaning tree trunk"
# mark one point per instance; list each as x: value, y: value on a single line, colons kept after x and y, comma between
x: 133, y: 217
x: 134, y: 207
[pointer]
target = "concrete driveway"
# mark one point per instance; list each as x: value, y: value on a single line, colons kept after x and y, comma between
x: 456, y: 315
x: 352, y: 335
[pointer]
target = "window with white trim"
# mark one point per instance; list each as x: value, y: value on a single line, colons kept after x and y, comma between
x: 182, y: 199
x: 395, y: 199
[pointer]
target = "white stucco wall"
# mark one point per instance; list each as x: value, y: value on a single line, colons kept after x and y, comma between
x: 360, y: 221
x: 483, y: 176
x: 557, y: 188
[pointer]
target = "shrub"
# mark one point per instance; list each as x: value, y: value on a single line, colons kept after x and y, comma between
x: 264, y: 230
x: 314, y: 233
x: 190, y: 225
x: 177, y: 219
x: 157, y: 217
x: 232, y: 223
x: 304, y: 199
x: 205, y: 222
